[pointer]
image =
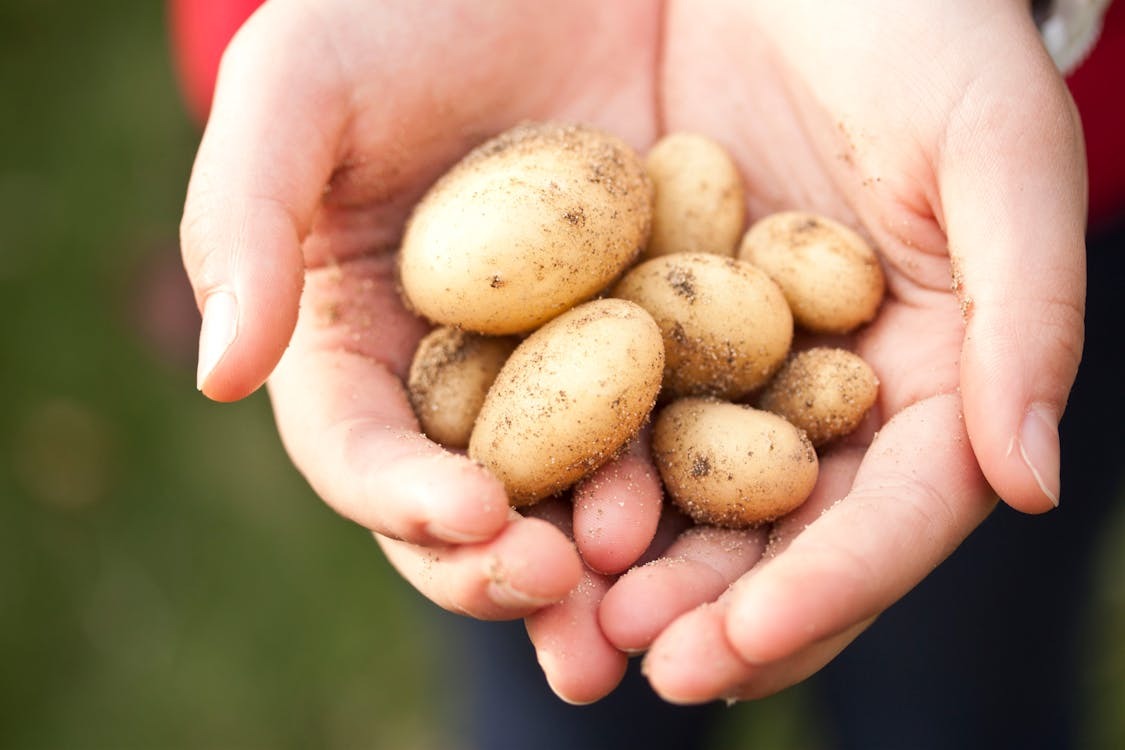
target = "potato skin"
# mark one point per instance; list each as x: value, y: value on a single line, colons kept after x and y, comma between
x: 830, y: 275
x: 726, y: 325
x: 823, y: 391
x: 526, y: 226
x: 451, y: 372
x: 699, y: 200
x: 569, y: 398
x: 731, y: 465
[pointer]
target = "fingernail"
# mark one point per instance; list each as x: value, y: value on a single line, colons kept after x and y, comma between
x: 453, y: 536
x: 220, y: 324
x: 501, y: 591
x: 1039, y: 448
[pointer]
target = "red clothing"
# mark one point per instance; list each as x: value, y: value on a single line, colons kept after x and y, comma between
x: 1098, y: 86
x: 200, y: 31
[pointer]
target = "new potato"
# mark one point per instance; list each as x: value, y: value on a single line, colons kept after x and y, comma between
x: 569, y: 398
x: 831, y: 277
x: 699, y: 202
x: 451, y: 372
x: 529, y: 224
x: 731, y: 465
x: 824, y: 391
x: 726, y: 325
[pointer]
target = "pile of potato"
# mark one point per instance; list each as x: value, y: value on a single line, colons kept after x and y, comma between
x: 580, y: 291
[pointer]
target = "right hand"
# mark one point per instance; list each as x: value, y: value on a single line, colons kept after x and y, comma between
x: 330, y: 120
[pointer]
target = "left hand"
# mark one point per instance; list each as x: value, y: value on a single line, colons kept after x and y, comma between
x: 945, y: 134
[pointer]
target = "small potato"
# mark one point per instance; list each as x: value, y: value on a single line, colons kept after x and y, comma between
x: 830, y: 275
x: 449, y: 377
x: 700, y: 204
x: 730, y: 465
x: 569, y: 398
x: 726, y: 326
x: 823, y: 391
x: 525, y: 227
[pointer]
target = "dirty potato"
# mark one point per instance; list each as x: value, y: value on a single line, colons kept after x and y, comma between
x: 525, y: 227
x: 726, y: 325
x: 451, y: 372
x: 699, y: 201
x: 731, y: 465
x: 830, y: 275
x: 569, y: 398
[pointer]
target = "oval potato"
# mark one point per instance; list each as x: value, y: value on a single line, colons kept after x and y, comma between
x: 699, y: 203
x: 823, y: 391
x: 731, y: 465
x: 568, y: 398
x: 830, y: 275
x: 526, y: 226
x: 451, y: 372
x: 726, y: 326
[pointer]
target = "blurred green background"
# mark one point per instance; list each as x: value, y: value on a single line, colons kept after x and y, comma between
x: 166, y: 579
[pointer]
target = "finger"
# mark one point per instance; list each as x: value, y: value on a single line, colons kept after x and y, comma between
x: 345, y: 419
x: 580, y: 664
x: 705, y: 561
x: 696, y: 569
x: 916, y: 496
x: 257, y: 180
x: 529, y: 565
x: 693, y: 662
x: 616, y: 510
x: 1012, y: 184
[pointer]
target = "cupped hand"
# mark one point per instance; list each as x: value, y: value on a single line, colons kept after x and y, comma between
x: 944, y: 133
x: 330, y: 120
x: 940, y: 130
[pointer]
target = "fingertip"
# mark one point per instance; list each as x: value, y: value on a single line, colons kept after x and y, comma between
x: 617, y: 511
x: 464, y: 503
x: 1026, y: 472
x: 692, y: 662
x: 537, y: 560
x: 580, y: 665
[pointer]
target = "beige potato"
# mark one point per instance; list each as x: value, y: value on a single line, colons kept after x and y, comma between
x: 824, y: 391
x: 731, y: 465
x: 726, y: 326
x: 830, y: 275
x: 699, y: 202
x: 451, y: 372
x: 568, y: 398
x: 529, y: 224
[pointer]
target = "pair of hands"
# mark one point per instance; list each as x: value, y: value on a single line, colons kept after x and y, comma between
x: 941, y: 129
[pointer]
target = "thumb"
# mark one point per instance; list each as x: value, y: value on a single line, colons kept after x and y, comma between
x: 265, y: 157
x: 1012, y: 187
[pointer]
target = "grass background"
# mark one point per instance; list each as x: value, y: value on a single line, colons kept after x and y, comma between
x: 166, y: 579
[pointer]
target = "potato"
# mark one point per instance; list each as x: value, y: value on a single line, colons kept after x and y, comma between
x: 830, y: 275
x: 529, y: 224
x: 451, y: 372
x: 731, y: 465
x: 700, y: 204
x: 823, y: 391
x: 568, y: 398
x: 726, y: 325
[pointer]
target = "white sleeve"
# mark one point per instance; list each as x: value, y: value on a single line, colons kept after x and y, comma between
x: 1070, y: 28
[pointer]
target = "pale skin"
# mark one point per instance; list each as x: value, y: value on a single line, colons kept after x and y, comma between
x: 939, y: 129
